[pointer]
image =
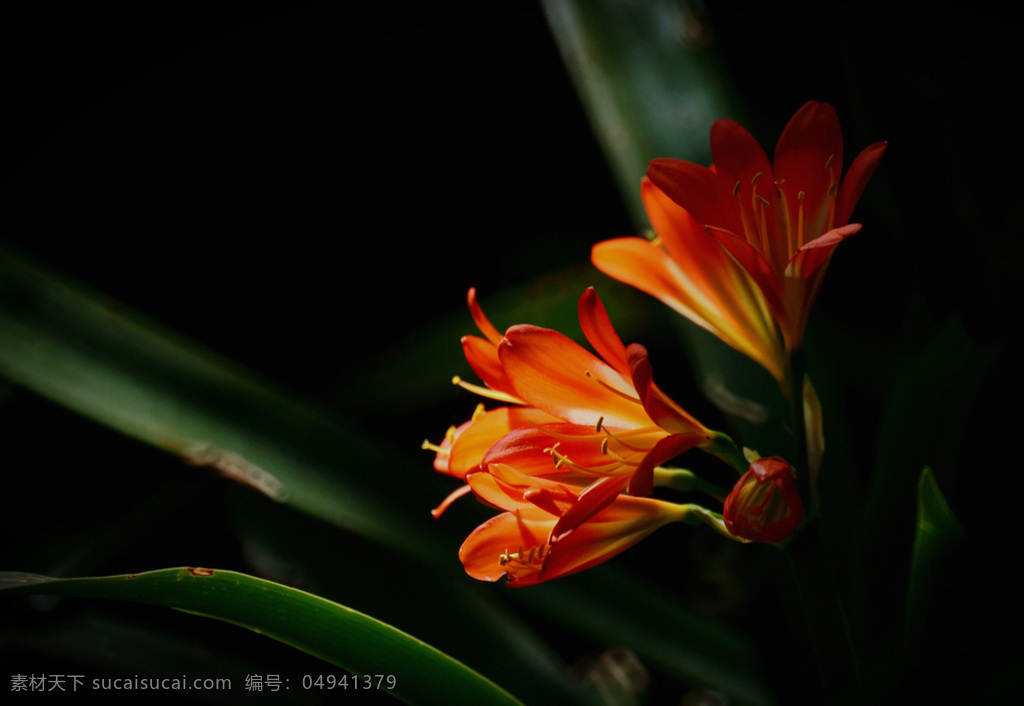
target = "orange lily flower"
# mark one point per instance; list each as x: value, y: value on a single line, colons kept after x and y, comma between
x: 592, y: 426
x: 579, y: 415
x: 522, y: 543
x: 687, y: 269
x: 780, y: 222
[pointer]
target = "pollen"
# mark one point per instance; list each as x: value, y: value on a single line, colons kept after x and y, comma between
x: 532, y: 558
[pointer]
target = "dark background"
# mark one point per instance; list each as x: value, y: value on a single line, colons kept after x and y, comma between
x: 301, y: 188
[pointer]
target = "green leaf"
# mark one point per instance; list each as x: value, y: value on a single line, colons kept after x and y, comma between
x: 109, y: 364
x: 339, y: 635
x: 647, y: 78
x: 937, y: 533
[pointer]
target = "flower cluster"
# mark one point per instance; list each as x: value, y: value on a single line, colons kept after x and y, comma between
x: 743, y: 245
x: 572, y: 456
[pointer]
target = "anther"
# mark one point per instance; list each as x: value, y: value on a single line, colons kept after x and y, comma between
x: 753, y: 179
x: 600, y: 420
x: 762, y: 199
x: 736, y: 189
x: 828, y: 162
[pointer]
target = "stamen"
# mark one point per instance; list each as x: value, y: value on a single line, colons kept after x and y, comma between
x: 620, y: 393
x: 486, y: 391
x: 535, y: 556
x: 427, y: 446
x: 800, y: 221
x: 830, y: 216
x: 562, y: 460
x: 788, y: 221
x: 617, y: 440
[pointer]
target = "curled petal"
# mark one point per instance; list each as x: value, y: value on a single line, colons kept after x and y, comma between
x: 660, y: 407
x: 856, y: 180
x: 482, y: 356
x: 598, y: 329
x: 481, y: 321
x: 592, y: 500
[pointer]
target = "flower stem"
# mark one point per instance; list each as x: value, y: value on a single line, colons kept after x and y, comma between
x: 796, y: 402
x: 684, y: 480
x: 722, y: 446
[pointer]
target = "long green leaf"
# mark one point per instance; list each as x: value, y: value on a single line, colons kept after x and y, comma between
x: 109, y: 364
x: 339, y: 635
x: 648, y: 81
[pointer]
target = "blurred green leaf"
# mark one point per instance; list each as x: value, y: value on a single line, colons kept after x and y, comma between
x: 648, y: 78
x: 332, y: 632
x: 937, y: 532
x: 113, y: 366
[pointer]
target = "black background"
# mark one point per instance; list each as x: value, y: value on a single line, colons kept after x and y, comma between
x: 300, y: 187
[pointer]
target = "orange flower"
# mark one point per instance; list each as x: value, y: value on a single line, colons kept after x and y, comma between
x: 689, y: 271
x: 780, y: 222
x: 579, y: 432
x: 578, y: 416
x: 764, y: 505
x: 522, y: 543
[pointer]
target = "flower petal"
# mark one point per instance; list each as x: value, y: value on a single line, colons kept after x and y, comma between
x: 598, y: 329
x: 555, y: 374
x: 607, y: 534
x: 856, y: 180
x: 705, y: 195
x: 473, y: 441
x: 660, y: 407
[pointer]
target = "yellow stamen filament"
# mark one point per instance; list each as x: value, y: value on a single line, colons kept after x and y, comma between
x: 535, y: 556
x: 561, y: 461
x: 486, y: 391
x: 788, y: 221
x: 427, y: 446
x: 800, y: 221
x: 620, y: 393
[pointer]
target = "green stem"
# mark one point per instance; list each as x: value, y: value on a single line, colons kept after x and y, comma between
x: 796, y: 402
x: 722, y: 446
x: 683, y: 480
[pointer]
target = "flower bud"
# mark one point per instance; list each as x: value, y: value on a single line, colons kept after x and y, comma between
x: 764, y: 505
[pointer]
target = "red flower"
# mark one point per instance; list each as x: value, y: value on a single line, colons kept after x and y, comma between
x: 779, y: 221
x: 764, y: 505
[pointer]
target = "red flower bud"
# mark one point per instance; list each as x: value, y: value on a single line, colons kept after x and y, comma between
x: 764, y: 505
